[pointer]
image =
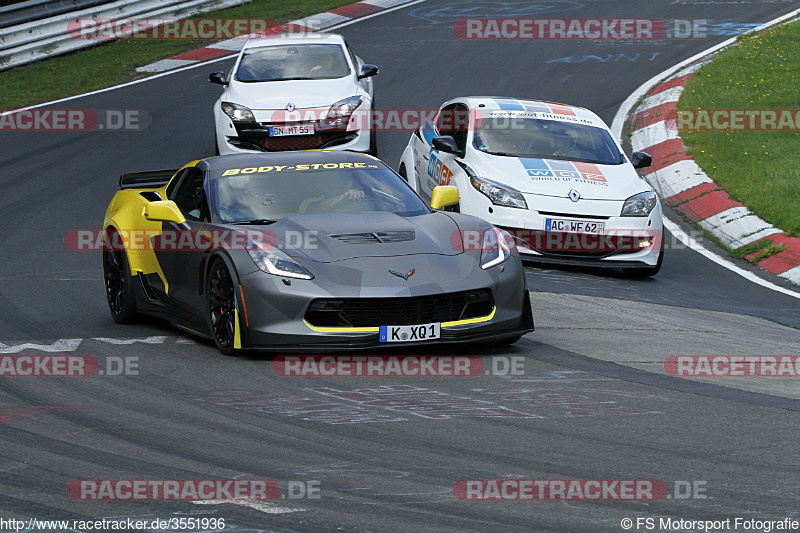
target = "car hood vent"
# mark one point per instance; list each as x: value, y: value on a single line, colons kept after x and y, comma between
x: 375, y: 237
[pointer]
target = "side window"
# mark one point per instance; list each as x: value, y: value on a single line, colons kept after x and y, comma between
x: 190, y: 196
x: 454, y: 121
x: 174, y: 182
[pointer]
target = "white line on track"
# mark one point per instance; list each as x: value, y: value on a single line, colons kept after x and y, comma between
x: 264, y: 507
x: 618, y: 125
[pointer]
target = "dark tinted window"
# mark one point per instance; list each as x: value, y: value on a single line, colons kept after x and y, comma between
x: 190, y: 197
x: 266, y: 193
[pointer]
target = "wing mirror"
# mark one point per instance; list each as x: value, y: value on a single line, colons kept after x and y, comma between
x: 445, y: 143
x: 444, y: 195
x: 641, y: 160
x: 163, y: 211
x: 218, y: 78
x: 368, y: 71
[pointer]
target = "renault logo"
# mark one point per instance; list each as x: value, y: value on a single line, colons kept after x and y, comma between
x: 290, y: 107
x: 574, y: 195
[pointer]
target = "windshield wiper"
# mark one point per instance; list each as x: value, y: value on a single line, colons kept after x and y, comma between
x: 254, y: 222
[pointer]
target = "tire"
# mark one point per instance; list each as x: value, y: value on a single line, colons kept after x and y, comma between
x: 117, y: 280
x: 647, y: 271
x: 221, y: 307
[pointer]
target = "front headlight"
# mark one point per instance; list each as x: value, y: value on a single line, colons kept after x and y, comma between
x: 274, y: 261
x: 496, y: 248
x: 639, y: 205
x: 238, y: 113
x: 499, y: 194
x: 344, y: 108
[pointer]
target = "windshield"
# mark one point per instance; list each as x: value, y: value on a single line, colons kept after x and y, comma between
x: 293, y: 62
x: 546, y: 139
x: 269, y: 193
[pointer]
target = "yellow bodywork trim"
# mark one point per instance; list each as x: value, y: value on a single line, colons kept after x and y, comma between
x: 237, y: 334
x: 344, y: 329
x: 191, y: 330
x: 125, y: 214
x: 475, y: 320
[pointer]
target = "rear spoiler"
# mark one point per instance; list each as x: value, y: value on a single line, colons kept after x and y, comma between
x: 146, y: 180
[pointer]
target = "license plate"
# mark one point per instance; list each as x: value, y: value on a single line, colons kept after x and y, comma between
x: 574, y: 226
x: 421, y: 332
x: 282, y: 131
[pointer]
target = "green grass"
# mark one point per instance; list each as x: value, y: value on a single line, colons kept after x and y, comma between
x: 747, y: 249
x: 761, y: 169
x: 113, y: 63
x: 764, y: 249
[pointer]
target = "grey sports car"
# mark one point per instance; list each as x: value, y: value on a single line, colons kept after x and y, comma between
x: 307, y: 252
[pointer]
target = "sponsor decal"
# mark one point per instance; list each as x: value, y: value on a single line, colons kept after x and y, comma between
x: 568, y: 171
x: 300, y: 167
x: 439, y: 171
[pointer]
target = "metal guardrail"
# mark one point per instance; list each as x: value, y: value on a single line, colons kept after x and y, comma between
x: 31, y: 10
x: 43, y: 38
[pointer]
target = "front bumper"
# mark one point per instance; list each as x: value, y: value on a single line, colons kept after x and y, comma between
x: 255, y: 137
x: 276, y: 312
x: 627, y: 242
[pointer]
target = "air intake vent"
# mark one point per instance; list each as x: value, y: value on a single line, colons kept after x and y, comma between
x: 377, y: 236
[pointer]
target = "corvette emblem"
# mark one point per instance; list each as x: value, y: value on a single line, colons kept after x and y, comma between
x: 290, y: 107
x: 404, y: 276
x: 574, y: 195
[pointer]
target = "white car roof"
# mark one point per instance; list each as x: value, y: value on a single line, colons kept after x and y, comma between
x: 512, y: 105
x: 295, y: 38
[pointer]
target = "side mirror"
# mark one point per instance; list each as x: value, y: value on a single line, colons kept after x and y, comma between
x: 444, y: 195
x: 368, y: 71
x: 641, y: 160
x: 445, y: 143
x: 218, y: 78
x: 164, y: 211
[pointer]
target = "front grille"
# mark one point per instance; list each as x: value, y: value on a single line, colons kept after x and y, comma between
x: 403, y: 311
x: 576, y: 245
x: 258, y: 135
x: 378, y: 236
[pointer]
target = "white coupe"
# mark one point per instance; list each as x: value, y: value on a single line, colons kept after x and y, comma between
x: 295, y: 92
x: 551, y: 175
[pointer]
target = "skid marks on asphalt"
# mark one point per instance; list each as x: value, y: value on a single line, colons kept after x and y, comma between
x: 72, y: 345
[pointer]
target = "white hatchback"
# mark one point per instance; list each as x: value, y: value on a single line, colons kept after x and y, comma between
x: 295, y: 92
x: 549, y: 174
